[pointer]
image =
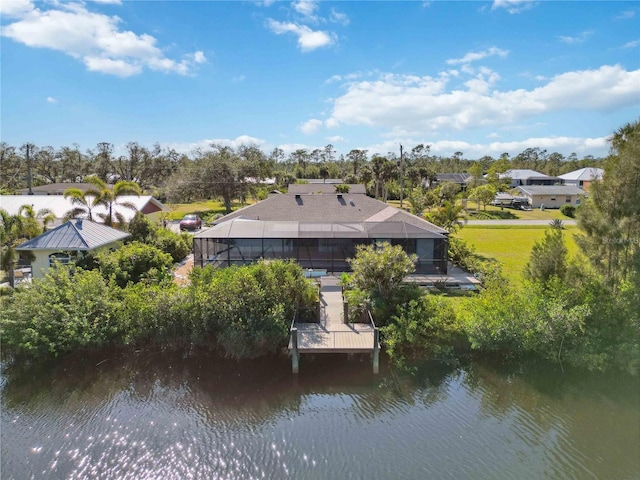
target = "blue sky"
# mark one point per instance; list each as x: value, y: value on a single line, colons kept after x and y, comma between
x: 481, y: 78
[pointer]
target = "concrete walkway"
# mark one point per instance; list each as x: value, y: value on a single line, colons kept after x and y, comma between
x: 331, y: 301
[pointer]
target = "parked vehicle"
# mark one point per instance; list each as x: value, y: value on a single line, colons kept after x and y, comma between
x: 191, y: 222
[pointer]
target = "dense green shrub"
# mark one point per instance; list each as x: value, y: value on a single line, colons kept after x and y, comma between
x: 135, y: 262
x: 143, y: 230
x: 249, y: 309
x: 243, y: 311
x: 176, y: 245
x: 568, y: 210
x: 68, y: 309
x: 424, y: 326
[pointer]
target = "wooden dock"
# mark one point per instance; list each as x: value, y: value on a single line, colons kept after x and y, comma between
x: 331, y: 334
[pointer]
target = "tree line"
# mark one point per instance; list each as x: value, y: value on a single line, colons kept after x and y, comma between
x: 235, y: 173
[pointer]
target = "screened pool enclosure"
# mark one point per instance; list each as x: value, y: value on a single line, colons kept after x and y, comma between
x: 314, y: 245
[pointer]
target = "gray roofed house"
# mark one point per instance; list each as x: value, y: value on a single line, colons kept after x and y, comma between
x: 319, y: 232
x: 529, y: 177
x: 68, y: 240
x: 553, y: 196
x: 355, y: 188
x: 460, y: 178
x: 582, y: 177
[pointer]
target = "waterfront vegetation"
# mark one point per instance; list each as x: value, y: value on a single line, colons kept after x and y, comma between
x: 241, y: 311
x: 570, y: 295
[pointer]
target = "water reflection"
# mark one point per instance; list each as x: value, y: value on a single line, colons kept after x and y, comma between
x: 169, y: 415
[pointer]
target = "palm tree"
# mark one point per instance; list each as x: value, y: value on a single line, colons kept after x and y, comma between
x: 449, y: 216
x: 84, y: 201
x: 15, y: 229
x: 102, y: 195
x: 10, y: 232
x: 110, y: 198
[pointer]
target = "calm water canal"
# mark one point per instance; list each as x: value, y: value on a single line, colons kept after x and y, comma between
x: 167, y: 416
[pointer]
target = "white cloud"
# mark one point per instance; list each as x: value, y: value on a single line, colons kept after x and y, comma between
x: 626, y: 15
x: 475, y: 56
x: 305, y: 7
x: 51, y: 100
x: 206, y: 144
x: 311, y: 126
x: 331, y: 123
x: 111, y: 2
x: 336, y: 139
x: 564, y: 145
x: 339, y: 17
x: 307, y: 39
x: 577, y: 39
x: 347, y: 77
x: 15, y: 8
x: 632, y: 44
x: 425, y: 104
x: 197, y: 57
x: 513, y: 6
x: 93, y: 38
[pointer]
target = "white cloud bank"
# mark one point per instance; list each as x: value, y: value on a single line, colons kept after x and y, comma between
x: 239, y: 141
x: 93, y: 38
x: 308, y: 39
x: 423, y: 104
x: 566, y: 145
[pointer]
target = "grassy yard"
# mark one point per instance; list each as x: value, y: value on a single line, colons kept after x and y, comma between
x: 511, y: 245
x: 497, y: 213
x: 210, y: 207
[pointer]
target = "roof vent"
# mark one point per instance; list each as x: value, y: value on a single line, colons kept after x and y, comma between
x: 339, y: 195
x: 297, y: 195
x: 351, y: 202
x: 79, y: 222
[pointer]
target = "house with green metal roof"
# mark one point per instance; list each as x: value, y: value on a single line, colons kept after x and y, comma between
x: 68, y: 241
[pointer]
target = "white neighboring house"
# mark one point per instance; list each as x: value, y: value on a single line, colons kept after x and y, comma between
x: 553, y: 196
x: 583, y: 177
x: 60, y: 206
x: 68, y: 241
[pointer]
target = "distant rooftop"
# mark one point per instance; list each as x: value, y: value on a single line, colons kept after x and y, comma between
x: 58, y: 188
x: 584, y: 174
x: 521, y: 174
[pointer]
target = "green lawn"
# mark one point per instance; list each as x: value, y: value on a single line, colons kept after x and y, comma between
x: 535, y: 214
x: 510, y: 245
x: 210, y: 207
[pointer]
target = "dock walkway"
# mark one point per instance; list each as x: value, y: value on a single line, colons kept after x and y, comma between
x: 331, y: 334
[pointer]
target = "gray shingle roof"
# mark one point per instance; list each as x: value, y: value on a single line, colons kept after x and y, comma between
x: 324, y: 188
x: 551, y: 190
x: 75, y: 235
x: 453, y: 177
x: 346, y: 208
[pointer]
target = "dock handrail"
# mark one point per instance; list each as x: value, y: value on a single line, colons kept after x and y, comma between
x: 371, y: 318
